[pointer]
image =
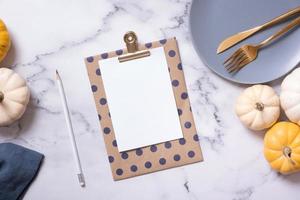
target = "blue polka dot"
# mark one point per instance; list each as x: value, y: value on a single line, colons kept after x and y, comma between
x: 94, y: 88
x: 119, y: 172
x: 109, y: 115
x: 172, y: 53
x: 111, y: 159
x: 153, y: 148
x: 182, y: 141
x: 133, y: 168
x: 191, y: 154
x: 168, y: 145
x: 148, y: 45
x: 175, y: 83
x: 104, y: 55
x: 98, y: 72
x: 114, y: 143
x: 90, y: 59
x: 103, y: 101
x: 99, y: 117
x: 176, y: 157
x: 139, y: 152
x: 179, y: 66
x: 124, y: 155
x: 184, y: 95
x: 179, y: 111
x: 196, y: 138
x: 162, y: 161
x: 148, y: 164
x: 106, y: 130
x: 163, y: 41
x: 190, y: 108
x: 119, y: 52
x: 187, y: 124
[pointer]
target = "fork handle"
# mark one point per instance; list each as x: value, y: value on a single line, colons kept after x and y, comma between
x: 281, y: 18
x: 281, y: 32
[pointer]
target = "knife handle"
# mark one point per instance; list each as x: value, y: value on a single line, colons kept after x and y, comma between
x: 281, y: 18
x: 281, y: 32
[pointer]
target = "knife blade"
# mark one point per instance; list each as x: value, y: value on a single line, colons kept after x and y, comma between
x: 236, y: 38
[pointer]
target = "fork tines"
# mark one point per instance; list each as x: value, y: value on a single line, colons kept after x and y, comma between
x: 236, y: 61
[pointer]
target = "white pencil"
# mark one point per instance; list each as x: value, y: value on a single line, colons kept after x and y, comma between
x: 70, y: 129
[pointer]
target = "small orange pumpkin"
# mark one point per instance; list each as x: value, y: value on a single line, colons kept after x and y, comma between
x: 4, y: 40
x: 282, y: 147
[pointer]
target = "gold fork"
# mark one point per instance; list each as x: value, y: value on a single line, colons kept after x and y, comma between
x: 247, y: 53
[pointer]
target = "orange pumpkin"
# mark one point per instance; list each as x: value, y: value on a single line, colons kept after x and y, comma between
x: 282, y: 147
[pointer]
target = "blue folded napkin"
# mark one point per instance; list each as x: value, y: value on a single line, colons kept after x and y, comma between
x: 18, y: 168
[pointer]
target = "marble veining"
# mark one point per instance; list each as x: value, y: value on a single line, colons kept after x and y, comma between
x: 58, y: 35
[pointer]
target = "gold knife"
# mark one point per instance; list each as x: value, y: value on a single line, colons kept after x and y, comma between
x: 234, y: 39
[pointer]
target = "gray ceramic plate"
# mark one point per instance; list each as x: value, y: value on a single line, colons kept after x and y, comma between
x: 211, y: 21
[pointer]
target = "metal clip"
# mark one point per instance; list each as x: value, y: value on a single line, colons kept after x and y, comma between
x: 131, y: 41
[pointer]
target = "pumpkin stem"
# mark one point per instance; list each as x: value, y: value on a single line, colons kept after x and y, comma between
x: 287, y: 152
x: 259, y: 106
x: 1, y: 96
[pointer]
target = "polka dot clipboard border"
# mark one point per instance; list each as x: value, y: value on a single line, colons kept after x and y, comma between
x: 156, y: 157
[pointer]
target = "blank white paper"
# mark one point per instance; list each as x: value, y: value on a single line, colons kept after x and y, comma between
x: 141, y: 100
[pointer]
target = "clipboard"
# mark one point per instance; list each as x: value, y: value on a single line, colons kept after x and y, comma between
x: 155, y: 157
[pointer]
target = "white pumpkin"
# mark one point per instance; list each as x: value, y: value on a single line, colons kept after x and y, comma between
x: 290, y: 96
x: 258, y: 107
x: 14, y: 96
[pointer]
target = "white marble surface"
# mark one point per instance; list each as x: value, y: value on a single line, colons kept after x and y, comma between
x: 58, y: 34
